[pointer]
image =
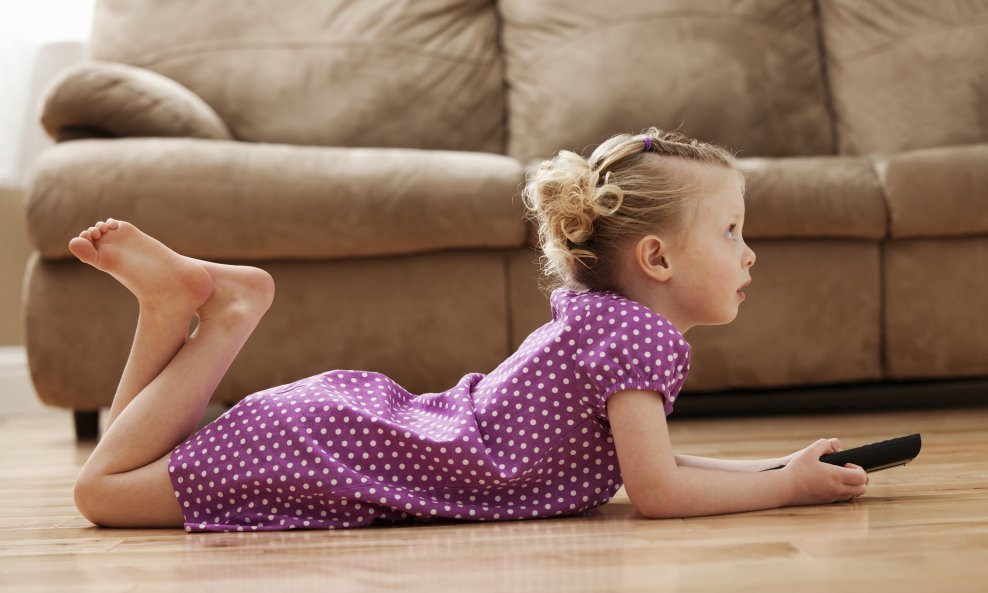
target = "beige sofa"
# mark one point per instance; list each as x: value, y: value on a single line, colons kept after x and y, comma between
x: 370, y: 156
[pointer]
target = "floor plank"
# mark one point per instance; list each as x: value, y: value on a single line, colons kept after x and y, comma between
x: 922, y: 527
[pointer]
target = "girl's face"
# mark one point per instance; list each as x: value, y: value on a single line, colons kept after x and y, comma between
x: 711, y: 262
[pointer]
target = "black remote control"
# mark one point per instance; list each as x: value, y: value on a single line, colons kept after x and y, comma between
x: 877, y: 456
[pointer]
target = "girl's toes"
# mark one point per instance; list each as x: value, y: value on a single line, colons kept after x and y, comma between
x: 95, y: 233
x: 83, y: 249
x: 113, y: 224
x: 103, y: 227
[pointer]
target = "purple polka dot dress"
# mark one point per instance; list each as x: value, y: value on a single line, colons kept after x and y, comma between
x: 351, y: 448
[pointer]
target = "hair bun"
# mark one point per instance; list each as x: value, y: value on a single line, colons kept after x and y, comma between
x: 567, y: 197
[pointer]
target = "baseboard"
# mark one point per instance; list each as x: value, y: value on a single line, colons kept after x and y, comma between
x: 838, y: 399
x: 16, y: 391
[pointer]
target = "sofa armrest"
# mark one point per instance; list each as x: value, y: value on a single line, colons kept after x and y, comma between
x: 246, y: 201
x: 108, y: 99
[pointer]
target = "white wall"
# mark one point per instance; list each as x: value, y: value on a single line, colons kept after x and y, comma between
x: 38, y: 39
x: 16, y: 393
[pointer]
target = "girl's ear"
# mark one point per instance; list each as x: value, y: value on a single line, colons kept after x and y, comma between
x: 652, y: 257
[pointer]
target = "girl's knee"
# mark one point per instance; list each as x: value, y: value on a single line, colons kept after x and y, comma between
x: 100, y: 500
x: 90, y: 497
x: 140, y: 498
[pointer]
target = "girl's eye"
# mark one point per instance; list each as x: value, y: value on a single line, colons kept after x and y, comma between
x: 730, y: 230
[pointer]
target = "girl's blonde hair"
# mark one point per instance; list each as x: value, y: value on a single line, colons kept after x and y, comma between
x: 631, y: 186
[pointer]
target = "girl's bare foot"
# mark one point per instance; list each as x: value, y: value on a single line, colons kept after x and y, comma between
x: 241, y: 295
x: 160, y: 278
x: 166, y: 282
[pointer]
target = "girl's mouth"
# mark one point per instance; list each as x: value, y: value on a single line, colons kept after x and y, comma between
x: 740, y: 291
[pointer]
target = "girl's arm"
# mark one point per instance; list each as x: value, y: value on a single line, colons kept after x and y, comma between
x: 659, y: 487
x: 743, y: 465
x: 728, y: 465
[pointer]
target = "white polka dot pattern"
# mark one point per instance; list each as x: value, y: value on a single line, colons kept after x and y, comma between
x: 350, y: 448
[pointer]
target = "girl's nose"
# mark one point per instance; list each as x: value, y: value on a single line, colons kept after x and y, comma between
x: 749, y: 257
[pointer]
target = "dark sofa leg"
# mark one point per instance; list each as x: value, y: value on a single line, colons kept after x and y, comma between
x: 86, y: 425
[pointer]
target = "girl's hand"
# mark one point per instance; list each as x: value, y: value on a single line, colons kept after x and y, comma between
x: 816, y: 482
x: 835, y: 446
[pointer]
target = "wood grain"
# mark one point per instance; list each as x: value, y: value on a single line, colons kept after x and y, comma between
x: 922, y: 527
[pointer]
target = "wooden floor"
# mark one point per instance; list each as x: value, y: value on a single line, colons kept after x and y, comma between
x: 923, y: 527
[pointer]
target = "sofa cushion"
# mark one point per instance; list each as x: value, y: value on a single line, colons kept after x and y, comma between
x: 238, y: 201
x: 938, y: 192
x: 935, y: 310
x: 423, y: 74
x: 742, y: 74
x: 907, y: 75
x: 821, y: 197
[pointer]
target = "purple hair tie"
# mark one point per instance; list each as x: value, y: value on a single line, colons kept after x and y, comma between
x: 648, y: 143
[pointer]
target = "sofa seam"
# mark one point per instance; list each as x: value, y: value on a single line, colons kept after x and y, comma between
x: 505, y: 88
x: 508, y: 313
x: 891, y: 45
x: 149, y: 59
x: 828, y: 93
x: 883, y: 355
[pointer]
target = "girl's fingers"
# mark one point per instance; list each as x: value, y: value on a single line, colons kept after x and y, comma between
x: 820, y: 448
x: 856, y: 476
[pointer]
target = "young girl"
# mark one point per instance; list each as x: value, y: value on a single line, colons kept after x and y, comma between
x: 645, y: 241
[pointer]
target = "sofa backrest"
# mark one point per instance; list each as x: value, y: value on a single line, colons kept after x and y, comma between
x: 384, y: 73
x: 528, y: 77
x: 746, y: 75
x: 907, y: 74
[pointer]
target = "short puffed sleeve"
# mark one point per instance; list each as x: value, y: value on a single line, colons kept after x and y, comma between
x: 623, y: 345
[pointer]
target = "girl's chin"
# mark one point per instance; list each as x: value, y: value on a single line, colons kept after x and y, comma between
x: 731, y: 315
x: 724, y: 320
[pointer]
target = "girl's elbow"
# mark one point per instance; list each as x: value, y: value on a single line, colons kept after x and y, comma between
x: 658, y: 505
x: 661, y: 511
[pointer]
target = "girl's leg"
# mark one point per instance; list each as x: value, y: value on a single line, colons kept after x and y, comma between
x: 167, y: 305
x: 125, y: 480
